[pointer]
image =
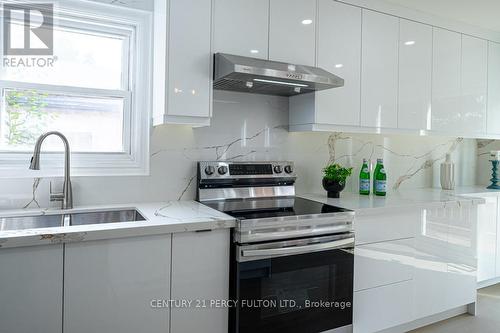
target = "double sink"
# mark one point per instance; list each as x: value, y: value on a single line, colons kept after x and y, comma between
x: 71, y: 219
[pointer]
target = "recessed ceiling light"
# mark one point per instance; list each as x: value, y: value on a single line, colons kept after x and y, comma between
x: 339, y: 65
x: 254, y: 51
x: 307, y: 21
x: 410, y: 42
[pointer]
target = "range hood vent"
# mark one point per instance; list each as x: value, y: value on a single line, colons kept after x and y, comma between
x: 251, y: 75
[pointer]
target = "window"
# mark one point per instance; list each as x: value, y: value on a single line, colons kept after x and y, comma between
x: 87, y: 94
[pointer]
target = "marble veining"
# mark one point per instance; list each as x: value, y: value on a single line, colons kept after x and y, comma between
x: 36, y: 182
x: 368, y: 149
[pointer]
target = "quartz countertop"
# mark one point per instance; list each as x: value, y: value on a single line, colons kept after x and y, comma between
x: 161, y: 218
x: 426, y: 197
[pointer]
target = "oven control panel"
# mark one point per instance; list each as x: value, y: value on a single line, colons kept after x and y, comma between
x: 229, y: 170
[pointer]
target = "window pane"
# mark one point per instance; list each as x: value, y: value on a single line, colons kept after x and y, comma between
x: 83, y: 60
x: 91, y: 124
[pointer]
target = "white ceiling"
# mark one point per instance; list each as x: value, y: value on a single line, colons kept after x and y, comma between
x: 480, y: 13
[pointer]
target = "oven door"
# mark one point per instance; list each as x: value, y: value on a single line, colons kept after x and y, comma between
x: 302, y: 285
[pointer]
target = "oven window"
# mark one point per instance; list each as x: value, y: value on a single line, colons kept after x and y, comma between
x: 301, y: 293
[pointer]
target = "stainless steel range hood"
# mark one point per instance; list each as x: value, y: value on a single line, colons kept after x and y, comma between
x: 244, y: 74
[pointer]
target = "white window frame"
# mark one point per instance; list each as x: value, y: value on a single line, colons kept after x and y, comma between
x: 137, y: 97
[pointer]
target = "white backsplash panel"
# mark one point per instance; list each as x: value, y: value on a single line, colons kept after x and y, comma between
x: 254, y: 127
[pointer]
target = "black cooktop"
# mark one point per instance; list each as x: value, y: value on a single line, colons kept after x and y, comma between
x: 244, y: 209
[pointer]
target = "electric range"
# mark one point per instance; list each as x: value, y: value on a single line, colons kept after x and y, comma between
x: 292, y: 259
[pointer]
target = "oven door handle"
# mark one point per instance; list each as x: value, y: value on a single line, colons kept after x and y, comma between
x: 282, y: 251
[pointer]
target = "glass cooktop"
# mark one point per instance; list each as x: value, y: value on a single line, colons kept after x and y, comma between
x: 272, y: 207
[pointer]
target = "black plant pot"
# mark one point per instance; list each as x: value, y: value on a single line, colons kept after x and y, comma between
x: 333, y: 187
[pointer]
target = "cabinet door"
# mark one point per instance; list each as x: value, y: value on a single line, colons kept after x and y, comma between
x: 431, y: 272
x: 292, y: 31
x: 379, y: 70
x: 110, y: 285
x: 462, y: 258
x: 200, y: 272
x: 493, y: 88
x: 383, y: 263
x: 379, y: 308
x: 241, y: 27
x: 487, y: 239
x: 445, y: 277
x: 415, y: 75
x: 31, y: 280
x: 339, y: 52
x: 190, y: 59
x: 474, y: 84
x: 446, y: 80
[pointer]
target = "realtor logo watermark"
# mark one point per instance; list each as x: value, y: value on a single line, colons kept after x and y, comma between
x: 28, y: 34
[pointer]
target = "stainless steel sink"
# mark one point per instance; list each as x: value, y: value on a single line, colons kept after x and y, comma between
x: 31, y: 222
x: 109, y: 216
x: 58, y: 220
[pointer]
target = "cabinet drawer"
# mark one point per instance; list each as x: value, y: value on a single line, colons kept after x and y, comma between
x: 387, y: 226
x: 383, y: 263
x: 383, y: 307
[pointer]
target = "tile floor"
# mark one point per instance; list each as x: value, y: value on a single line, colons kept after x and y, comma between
x: 487, y: 319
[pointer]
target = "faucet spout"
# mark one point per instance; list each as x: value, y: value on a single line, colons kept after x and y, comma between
x: 67, y: 195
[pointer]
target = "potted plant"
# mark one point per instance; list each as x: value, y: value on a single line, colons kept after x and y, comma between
x: 334, y: 179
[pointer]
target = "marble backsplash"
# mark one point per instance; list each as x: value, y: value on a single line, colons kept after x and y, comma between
x: 254, y: 127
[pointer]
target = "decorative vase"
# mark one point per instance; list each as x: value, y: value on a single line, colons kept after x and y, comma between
x: 447, y: 174
x: 333, y: 187
x: 494, y: 176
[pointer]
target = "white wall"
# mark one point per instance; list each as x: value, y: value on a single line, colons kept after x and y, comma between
x: 253, y: 127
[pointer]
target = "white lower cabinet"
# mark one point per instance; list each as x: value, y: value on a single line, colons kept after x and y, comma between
x: 31, y: 289
x: 411, y: 265
x: 111, y: 285
x: 446, y: 269
x: 488, y: 240
x: 382, y: 227
x: 383, y: 307
x: 383, y: 263
x: 200, y: 273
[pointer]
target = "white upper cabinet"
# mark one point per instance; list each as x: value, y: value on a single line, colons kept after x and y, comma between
x: 415, y: 75
x: 474, y: 84
x: 339, y: 52
x: 493, y: 117
x: 241, y: 27
x: 493, y: 88
x: 189, y: 67
x: 292, y: 31
x: 446, y: 80
x: 379, y: 79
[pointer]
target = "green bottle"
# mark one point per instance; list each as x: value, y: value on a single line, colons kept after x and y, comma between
x: 364, y: 179
x: 380, y: 179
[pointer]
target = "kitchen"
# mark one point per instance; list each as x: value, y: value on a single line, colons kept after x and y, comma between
x: 418, y: 84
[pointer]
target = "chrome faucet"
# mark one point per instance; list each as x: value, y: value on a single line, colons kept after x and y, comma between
x: 67, y: 194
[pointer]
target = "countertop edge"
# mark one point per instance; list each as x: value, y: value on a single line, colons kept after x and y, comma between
x: 162, y: 218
